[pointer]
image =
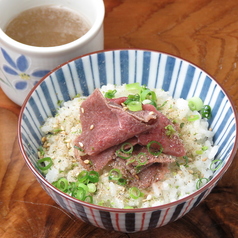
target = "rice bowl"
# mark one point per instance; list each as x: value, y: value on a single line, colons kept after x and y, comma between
x: 83, y: 75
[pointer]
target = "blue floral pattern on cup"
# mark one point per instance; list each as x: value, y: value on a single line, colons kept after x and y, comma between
x: 19, y: 68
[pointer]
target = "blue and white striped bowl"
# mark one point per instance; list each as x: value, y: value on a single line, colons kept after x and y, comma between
x: 155, y: 69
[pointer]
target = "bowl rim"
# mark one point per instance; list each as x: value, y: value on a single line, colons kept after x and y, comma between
x: 208, y: 185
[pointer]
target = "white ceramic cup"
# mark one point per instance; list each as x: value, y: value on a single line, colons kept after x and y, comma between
x: 22, y: 66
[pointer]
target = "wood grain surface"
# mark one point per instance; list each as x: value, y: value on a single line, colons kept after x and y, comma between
x: 204, y: 32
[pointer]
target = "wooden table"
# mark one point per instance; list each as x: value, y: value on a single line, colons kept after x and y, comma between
x: 204, y: 32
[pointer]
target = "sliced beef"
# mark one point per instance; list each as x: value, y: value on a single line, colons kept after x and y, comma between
x: 141, y: 158
x: 153, y: 173
x: 99, y: 161
x: 142, y: 168
x: 119, y: 100
x: 171, y: 144
x: 105, y: 124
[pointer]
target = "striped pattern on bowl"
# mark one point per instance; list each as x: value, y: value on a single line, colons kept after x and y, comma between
x: 156, y: 70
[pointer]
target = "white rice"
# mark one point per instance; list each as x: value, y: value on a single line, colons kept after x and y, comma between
x: 180, y: 182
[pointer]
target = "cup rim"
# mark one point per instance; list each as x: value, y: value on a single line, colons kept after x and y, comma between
x: 95, y: 28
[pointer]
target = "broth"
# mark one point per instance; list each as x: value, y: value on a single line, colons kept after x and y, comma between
x: 47, y: 26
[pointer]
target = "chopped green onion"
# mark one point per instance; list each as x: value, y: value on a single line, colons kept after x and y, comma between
x: 186, y: 161
x: 169, y: 130
x: 80, y: 193
x: 93, y: 176
x: 204, y: 148
x: 182, y: 125
x: 147, y: 101
x: 62, y: 184
x: 72, y: 186
x: 88, y: 199
x: 214, y: 162
x: 206, y: 112
x: 83, y: 176
x: 57, y: 130
x: 162, y: 105
x: 110, y: 93
x: 133, y: 103
x: 82, y: 188
x: 193, y: 118
x: 147, y: 94
x: 43, y: 160
x: 79, y: 148
x: 154, y: 152
x: 133, y: 86
x: 41, y: 150
x: 130, y: 161
x: 114, y: 174
x: 128, y: 207
x: 140, y: 162
x: 54, y: 183
x: 121, y: 181
x: 77, y: 96
x: 199, y: 152
x: 130, y: 98
x: 135, y: 193
x: 127, y: 151
x: 82, y: 185
x: 174, y: 121
x: 121, y: 156
x: 195, y: 103
x: 59, y: 102
x: 92, y: 188
x: 200, y: 182
x: 134, y: 106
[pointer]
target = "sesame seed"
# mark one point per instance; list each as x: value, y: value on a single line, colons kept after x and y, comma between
x: 82, y: 109
x: 80, y: 144
x: 86, y: 161
x: 151, y: 113
x: 149, y: 197
x: 91, y: 127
